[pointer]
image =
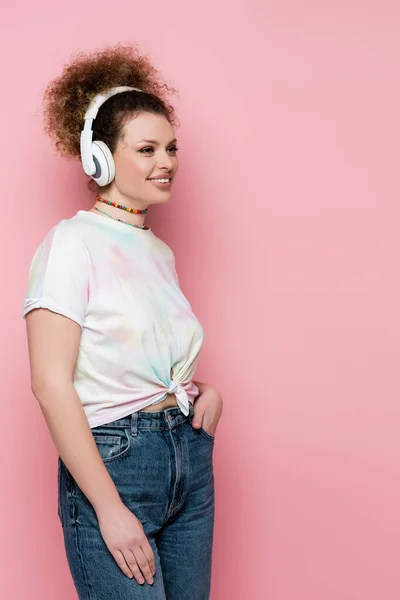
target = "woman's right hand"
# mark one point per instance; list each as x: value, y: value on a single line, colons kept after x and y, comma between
x: 54, y: 341
x: 125, y: 538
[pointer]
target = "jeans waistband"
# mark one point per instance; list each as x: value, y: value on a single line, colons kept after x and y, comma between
x: 168, y: 418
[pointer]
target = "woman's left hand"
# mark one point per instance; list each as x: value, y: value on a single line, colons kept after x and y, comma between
x: 207, y: 408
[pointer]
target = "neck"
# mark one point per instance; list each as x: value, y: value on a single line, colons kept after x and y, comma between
x: 125, y: 215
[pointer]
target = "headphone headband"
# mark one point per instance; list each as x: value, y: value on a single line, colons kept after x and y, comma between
x: 87, y: 133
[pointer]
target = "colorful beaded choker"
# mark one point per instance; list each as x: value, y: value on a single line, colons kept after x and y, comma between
x: 136, y: 211
x: 127, y: 208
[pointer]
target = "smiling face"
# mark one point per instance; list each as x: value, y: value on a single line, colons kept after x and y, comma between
x: 146, y: 160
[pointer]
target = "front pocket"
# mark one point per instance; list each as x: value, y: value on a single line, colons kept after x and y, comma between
x: 111, y: 446
x: 207, y: 435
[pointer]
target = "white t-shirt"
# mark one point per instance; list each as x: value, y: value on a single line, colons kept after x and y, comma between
x: 139, y: 337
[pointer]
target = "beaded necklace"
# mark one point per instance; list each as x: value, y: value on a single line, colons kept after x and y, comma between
x: 127, y: 208
x: 137, y: 211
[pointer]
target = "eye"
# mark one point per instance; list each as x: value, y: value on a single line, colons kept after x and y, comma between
x: 143, y: 150
x: 149, y: 149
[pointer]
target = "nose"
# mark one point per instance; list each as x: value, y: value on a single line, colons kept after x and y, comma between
x: 166, y: 161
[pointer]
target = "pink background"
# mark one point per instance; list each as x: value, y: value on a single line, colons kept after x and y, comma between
x: 285, y: 225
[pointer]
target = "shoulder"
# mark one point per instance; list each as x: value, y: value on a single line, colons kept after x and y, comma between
x: 66, y: 229
x: 64, y: 237
x: 59, y: 274
x: 162, y: 247
x: 61, y: 247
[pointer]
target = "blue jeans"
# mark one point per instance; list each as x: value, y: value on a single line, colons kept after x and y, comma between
x: 163, y: 470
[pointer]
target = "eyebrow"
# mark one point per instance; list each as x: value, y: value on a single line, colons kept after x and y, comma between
x: 156, y: 143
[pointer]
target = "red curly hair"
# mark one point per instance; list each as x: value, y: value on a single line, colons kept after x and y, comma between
x: 66, y: 98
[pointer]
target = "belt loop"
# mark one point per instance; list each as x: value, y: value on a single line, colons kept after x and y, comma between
x: 134, y: 420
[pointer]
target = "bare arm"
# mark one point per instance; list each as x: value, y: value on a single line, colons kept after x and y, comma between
x: 53, y: 342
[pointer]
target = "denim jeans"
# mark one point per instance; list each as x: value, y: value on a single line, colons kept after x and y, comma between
x: 163, y: 470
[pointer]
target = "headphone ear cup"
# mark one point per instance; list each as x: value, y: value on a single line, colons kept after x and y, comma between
x: 104, y: 161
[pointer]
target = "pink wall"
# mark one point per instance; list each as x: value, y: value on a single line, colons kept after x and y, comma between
x: 285, y: 225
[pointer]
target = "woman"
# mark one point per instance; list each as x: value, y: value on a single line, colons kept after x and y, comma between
x: 113, y: 346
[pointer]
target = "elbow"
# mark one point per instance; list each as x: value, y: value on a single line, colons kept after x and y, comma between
x: 43, y: 389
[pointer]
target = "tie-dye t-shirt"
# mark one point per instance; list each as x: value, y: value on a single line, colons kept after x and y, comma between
x: 139, y: 337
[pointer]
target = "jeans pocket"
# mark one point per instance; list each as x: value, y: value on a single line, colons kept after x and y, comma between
x: 112, y: 444
x: 207, y: 435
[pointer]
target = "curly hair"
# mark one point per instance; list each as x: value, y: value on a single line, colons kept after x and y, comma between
x: 66, y: 98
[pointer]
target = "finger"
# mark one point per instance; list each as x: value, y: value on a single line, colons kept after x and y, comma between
x: 143, y: 563
x: 121, y: 562
x: 209, y: 427
x: 131, y: 561
x: 149, y: 554
x: 197, y: 419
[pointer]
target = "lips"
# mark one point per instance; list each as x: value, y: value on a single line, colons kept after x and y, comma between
x: 158, y: 178
x: 160, y: 185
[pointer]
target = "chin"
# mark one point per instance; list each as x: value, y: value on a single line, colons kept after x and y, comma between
x: 161, y: 199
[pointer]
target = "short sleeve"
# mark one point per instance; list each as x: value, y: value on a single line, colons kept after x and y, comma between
x: 59, y: 275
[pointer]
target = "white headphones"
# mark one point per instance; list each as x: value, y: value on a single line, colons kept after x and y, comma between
x: 97, y: 159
